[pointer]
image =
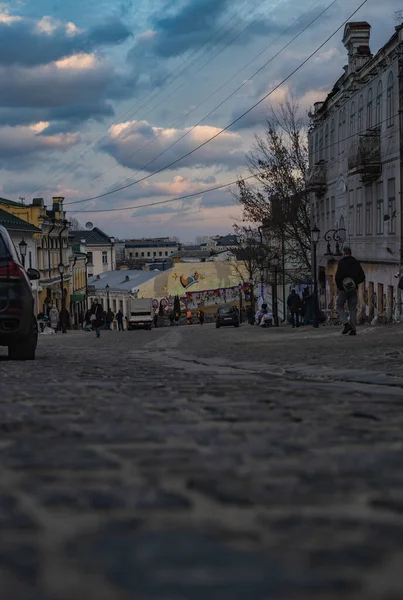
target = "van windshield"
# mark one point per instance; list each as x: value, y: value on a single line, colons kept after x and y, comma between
x: 226, y: 310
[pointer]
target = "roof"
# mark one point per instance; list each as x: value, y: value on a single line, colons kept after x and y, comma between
x: 95, y: 237
x: 228, y: 240
x: 10, y: 202
x: 13, y: 223
x: 151, y: 244
x: 191, y: 253
x: 122, y: 280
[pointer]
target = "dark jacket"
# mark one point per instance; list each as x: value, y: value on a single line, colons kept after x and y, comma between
x: 349, y: 267
x: 97, y: 310
x: 294, y: 303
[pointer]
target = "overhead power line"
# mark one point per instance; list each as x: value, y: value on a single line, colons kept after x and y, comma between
x: 223, y: 185
x: 213, y: 137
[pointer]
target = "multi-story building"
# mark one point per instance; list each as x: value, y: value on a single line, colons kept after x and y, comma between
x: 52, y: 247
x: 147, y: 249
x: 100, y: 249
x: 356, y: 170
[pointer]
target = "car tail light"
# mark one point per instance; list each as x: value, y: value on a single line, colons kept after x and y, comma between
x: 10, y: 270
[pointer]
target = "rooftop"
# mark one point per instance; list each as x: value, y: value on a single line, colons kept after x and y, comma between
x: 95, y: 237
x: 122, y: 280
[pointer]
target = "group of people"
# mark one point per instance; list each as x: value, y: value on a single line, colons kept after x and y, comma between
x: 55, y: 321
x: 96, y: 318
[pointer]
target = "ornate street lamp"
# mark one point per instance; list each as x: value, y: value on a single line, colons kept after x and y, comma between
x: 315, y: 235
x: 23, y: 251
x: 338, y: 236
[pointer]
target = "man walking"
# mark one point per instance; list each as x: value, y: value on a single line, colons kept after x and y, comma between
x: 294, y: 304
x: 97, y: 316
x: 348, y: 277
x: 119, y: 318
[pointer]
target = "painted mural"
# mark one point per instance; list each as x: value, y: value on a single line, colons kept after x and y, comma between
x: 196, y: 284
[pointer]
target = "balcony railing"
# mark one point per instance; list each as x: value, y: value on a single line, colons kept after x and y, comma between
x: 364, y: 157
x: 316, y: 178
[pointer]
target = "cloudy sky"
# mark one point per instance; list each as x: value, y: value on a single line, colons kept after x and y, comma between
x: 96, y: 94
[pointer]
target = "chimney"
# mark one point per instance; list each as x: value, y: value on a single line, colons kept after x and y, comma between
x: 57, y: 203
x: 356, y: 41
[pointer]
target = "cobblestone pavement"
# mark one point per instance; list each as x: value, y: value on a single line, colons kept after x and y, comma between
x: 201, y: 464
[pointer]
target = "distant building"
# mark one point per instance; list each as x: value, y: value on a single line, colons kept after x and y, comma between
x: 221, y: 243
x: 100, y: 249
x: 146, y: 250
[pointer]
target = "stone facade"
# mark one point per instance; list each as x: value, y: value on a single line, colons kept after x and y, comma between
x: 355, y: 148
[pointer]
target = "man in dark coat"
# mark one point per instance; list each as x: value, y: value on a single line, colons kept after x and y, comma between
x: 97, y: 316
x: 348, y: 277
x: 294, y: 304
x: 119, y: 318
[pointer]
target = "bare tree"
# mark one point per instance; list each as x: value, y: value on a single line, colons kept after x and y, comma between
x: 75, y: 225
x: 278, y: 198
x: 399, y: 16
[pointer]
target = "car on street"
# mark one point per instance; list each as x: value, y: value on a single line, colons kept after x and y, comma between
x: 18, y: 325
x: 227, y: 315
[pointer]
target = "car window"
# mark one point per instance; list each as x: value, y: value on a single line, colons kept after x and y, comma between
x: 4, y: 251
x: 226, y: 310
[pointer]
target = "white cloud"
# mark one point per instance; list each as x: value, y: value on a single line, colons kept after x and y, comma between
x: 78, y: 62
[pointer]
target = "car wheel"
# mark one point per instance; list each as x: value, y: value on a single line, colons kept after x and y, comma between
x: 25, y: 348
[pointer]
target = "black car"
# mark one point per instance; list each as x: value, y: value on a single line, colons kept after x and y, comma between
x: 227, y: 315
x: 18, y: 325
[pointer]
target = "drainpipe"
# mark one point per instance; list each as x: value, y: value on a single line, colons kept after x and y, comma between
x: 400, y: 82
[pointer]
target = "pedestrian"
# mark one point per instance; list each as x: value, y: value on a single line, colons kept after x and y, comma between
x: 81, y: 319
x: 200, y: 315
x: 64, y: 319
x: 250, y: 314
x: 119, y: 318
x: 171, y: 318
x: 97, y: 316
x: 348, y: 277
x: 189, y: 317
x: 155, y: 319
x: 177, y: 318
x: 294, y: 304
x: 109, y: 319
x: 104, y: 324
x: 54, y: 318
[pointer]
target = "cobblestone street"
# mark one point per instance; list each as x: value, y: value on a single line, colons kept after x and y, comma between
x: 200, y: 464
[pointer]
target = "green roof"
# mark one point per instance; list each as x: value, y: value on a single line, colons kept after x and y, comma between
x: 13, y: 223
x: 10, y: 202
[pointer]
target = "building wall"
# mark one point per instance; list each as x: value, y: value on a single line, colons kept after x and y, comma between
x: 157, y: 251
x: 102, y: 259
x: 347, y: 201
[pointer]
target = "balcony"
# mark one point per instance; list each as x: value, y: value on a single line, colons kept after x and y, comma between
x: 316, y: 178
x: 364, y: 157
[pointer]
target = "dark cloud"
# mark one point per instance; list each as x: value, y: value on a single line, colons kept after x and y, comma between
x: 28, y: 42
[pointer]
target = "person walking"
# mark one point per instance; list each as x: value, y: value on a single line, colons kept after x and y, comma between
x: 119, y: 318
x: 97, y: 316
x: 54, y: 318
x: 64, y: 319
x: 201, y: 316
x: 155, y: 319
x: 189, y: 317
x: 348, y: 277
x: 171, y: 317
x: 294, y: 304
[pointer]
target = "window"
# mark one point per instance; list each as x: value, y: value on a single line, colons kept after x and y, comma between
x: 327, y: 212
x: 30, y: 259
x: 390, y: 101
x: 333, y: 211
x: 351, y: 213
x: 130, y: 254
x: 154, y: 254
x: 344, y: 129
x: 361, y: 115
x: 316, y: 147
x: 391, y: 206
x: 166, y: 253
x: 322, y: 212
x: 378, y: 115
x: 148, y: 254
x: 368, y: 211
x: 142, y: 254
x: 90, y: 260
x: 359, y: 212
x: 136, y: 254
x: 379, y: 209
x: 104, y: 258
x: 352, y: 119
x: 326, y: 147
x: 159, y: 253
x: 369, y: 109
x: 332, y: 141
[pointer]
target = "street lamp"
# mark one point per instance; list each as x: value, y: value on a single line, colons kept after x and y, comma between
x: 62, y: 315
x: 23, y: 251
x: 315, y: 234
x: 240, y: 286
x: 107, y: 295
x: 275, y: 261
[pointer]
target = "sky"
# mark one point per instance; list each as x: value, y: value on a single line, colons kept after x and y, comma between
x: 96, y: 94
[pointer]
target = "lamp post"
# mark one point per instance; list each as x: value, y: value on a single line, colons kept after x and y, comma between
x: 23, y: 251
x: 63, y: 307
x: 275, y: 261
x: 315, y: 233
x: 107, y: 295
x: 240, y: 298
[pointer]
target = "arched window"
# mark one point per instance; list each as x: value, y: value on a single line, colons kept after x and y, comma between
x: 352, y: 119
x: 332, y: 140
x: 390, y: 100
x: 360, y: 114
x: 378, y: 115
x: 326, y: 148
x: 369, y: 109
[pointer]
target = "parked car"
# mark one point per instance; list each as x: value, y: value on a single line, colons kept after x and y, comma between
x: 227, y: 315
x: 18, y: 325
